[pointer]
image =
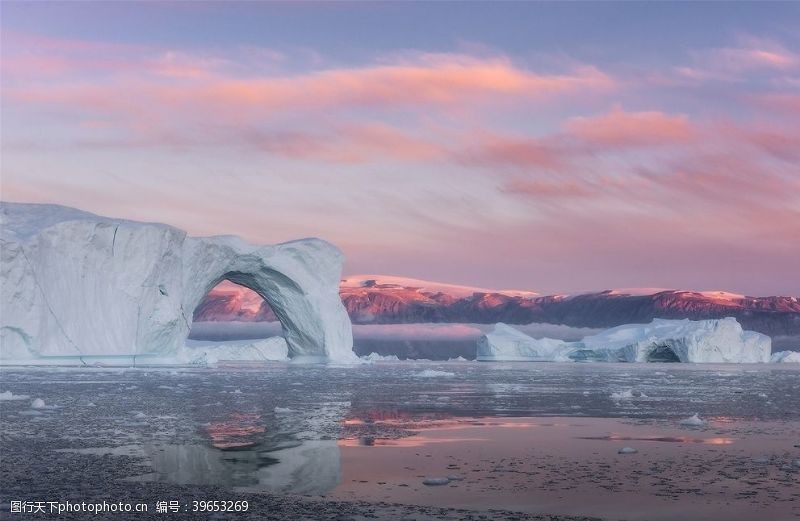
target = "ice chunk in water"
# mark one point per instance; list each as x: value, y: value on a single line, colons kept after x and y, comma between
x: 693, y: 421
x: 435, y: 482
x: 8, y: 395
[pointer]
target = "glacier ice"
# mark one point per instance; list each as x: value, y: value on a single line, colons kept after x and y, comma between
x: 76, y: 284
x: 697, y: 341
x: 786, y: 357
x: 273, y: 349
x: 701, y: 341
x: 508, y: 344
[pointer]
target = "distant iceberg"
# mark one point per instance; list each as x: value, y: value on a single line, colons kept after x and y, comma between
x: 508, y: 344
x: 786, y: 357
x: 701, y: 341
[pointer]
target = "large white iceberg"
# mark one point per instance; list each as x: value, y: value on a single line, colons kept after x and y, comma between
x: 701, y: 341
x: 80, y: 285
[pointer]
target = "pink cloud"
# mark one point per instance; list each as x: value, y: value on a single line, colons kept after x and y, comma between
x: 779, y: 101
x: 619, y: 128
x: 540, y: 189
x: 347, y: 144
x: 493, y: 150
x: 753, y: 53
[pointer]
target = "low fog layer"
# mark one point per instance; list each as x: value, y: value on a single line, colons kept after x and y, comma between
x: 425, y: 332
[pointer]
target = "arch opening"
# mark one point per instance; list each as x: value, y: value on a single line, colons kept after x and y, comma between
x: 664, y: 354
x: 234, y: 322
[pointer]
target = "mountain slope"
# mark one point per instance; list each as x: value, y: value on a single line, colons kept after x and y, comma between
x: 378, y: 299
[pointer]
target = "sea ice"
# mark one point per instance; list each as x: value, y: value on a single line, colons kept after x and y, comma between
x: 433, y: 373
x: 434, y: 482
x: 8, y: 395
x: 375, y: 357
x: 693, y: 421
x: 628, y: 394
x: 37, y: 403
x: 627, y: 450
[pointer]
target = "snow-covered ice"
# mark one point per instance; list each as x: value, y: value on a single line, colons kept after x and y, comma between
x: 77, y: 284
x: 37, y: 403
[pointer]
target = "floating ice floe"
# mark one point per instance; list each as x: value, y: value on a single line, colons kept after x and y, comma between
x: 433, y: 373
x: 627, y: 450
x: 628, y: 394
x: 375, y: 357
x: 693, y: 421
x: 37, y: 403
x: 8, y: 396
x: 697, y: 341
x: 435, y: 482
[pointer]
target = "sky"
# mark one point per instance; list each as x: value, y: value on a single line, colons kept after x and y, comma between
x: 554, y: 147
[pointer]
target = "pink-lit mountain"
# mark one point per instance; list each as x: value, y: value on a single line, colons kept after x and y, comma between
x: 377, y: 299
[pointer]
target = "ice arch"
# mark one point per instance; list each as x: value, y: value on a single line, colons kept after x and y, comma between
x: 298, y: 279
x: 77, y: 284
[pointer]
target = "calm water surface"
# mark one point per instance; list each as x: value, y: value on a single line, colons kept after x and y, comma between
x: 532, y: 437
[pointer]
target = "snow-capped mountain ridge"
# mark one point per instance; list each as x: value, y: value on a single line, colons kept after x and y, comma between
x: 378, y: 299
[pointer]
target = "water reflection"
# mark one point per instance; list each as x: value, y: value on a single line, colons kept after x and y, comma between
x: 668, y: 439
x: 289, y: 466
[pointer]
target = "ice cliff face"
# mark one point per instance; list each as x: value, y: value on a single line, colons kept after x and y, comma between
x: 703, y: 341
x: 78, y: 284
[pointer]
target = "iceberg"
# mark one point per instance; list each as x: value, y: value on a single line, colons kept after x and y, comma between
x: 508, y: 345
x: 662, y: 340
x: 78, y: 285
x: 786, y: 357
x: 695, y: 341
x: 375, y: 357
